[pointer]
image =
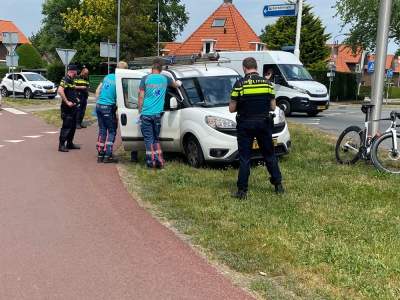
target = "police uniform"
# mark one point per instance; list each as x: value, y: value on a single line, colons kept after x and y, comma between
x: 253, y: 95
x: 68, y: 114
x: 83, y: 95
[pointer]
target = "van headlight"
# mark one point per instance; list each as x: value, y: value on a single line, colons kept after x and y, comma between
x: 219, y: 123
x: 299, y: 90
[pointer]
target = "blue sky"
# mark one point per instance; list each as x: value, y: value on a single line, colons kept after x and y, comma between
x: 26, y: 15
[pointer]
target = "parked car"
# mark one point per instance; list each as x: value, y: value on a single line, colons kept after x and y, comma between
x: 196, y: 119
x: 28, y: 84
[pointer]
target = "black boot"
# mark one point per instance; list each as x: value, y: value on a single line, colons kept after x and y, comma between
x: 62, y: 147
x: 82, y: 125
x: 71, y: 145
x: 240, y: 195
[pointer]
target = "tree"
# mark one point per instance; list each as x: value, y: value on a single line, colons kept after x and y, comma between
x: 312, y: 36
x: 173, y: 19
x: 363, y: 16
x: 52, y: 35
x: 29, y: 57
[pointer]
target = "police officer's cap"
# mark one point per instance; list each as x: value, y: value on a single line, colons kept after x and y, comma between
x: 73, y: 68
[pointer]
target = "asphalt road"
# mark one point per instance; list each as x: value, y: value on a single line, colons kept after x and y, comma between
x: 70, y: 230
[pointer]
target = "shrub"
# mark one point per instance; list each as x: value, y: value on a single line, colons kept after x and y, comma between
x: 29, y: 57
x: 55, y: 72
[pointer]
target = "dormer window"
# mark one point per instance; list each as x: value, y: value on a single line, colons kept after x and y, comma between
x: 218, y: 23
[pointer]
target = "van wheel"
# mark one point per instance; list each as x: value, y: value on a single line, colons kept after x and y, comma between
x: 285, y: 106
x: 28, y: 93
x: 194, y: 153
x: 313, y: 114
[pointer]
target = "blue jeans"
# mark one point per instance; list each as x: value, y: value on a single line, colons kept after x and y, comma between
x: 108, y: 124
x: 246, y: 132
x: 150, y: 127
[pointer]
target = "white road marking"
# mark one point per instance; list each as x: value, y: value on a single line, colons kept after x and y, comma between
x: 312, y: 123
x: 15, y: 111
x: 52, y: 132
x: 13, y: 141
x: 1, y: 146
x: 33, y: 136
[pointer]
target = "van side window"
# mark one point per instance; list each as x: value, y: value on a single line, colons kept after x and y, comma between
x: 171, y: 92
x: 130, y: 87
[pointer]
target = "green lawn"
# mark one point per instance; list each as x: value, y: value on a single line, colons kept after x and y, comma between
x: 334, y: 234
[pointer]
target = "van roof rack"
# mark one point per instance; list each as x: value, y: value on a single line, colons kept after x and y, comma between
x: 184, y: 59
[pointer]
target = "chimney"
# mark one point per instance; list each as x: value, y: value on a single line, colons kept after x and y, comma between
x: 227, y: 1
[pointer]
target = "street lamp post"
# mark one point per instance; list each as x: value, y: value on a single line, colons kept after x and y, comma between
x: 118, y: 28
x: 298, y: 30
x: 158, y: 28
x: 330, y: 64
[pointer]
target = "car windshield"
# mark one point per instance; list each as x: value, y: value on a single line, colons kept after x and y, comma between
x: 34, y: 77
x: 295, y: 72
x: 209, y: 91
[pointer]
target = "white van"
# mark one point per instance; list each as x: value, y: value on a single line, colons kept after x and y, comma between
x: 196, y: 119
x: 295, y: 89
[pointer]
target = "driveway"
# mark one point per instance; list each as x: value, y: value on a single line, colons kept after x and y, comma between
x: 70, y: 230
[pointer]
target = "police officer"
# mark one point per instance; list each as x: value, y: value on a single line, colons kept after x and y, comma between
x: 67, y: 92
x: 82, y: 89
x: 253, y: 98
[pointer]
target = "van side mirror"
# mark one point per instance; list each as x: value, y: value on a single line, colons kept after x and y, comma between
x: 277, y: 79
x: 173, y: 103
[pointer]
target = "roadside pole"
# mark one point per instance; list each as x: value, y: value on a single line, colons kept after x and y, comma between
x: 380, y: 62
x: 11, y: 39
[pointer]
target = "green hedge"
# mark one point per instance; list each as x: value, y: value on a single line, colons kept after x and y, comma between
x: 343, y: 86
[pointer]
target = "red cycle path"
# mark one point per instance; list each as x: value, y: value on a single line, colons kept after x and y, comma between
x: 70, y: 230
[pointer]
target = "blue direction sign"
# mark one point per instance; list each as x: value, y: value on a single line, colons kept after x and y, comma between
x: 288, y: 48
x: 390, y: 73
x: 370, y: 67
x: 279, y: 10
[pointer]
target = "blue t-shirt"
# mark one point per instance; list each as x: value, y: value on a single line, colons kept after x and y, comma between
x: 154, y: 87
x: 108, y: 92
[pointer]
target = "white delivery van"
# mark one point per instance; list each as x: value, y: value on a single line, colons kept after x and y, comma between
x: 196, y: 119
x: 295, y: 89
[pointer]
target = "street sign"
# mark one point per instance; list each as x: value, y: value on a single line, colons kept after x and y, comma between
x: 330, y: 74
x: 370, y: 67
x: 10, y: 38
x: 16, y: 55
x: 279, y: 10
x: 390, y: 73
x: 108, y: 50
x: 288, y: 48
x: 334, y: 68
x: 331, y: 63
x: 66, y: 55
x: 11, y: 61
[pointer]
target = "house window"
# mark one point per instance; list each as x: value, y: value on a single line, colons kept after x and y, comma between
x: 260, y: 47
x: 218, y: 23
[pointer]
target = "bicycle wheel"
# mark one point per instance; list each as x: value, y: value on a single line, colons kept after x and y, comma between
x: 384, y: 157
x: 348, y: 144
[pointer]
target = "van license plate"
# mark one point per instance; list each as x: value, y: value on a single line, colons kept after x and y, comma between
x: 256, y: 146
x: 321, y: 107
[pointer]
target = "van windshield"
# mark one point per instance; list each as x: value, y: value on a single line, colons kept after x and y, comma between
x: 209, y: 91
x: 295, y: 72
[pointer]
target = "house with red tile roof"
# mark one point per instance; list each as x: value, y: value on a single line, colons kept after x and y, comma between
x: 8, y: 26
x: 224, y: 30
x: 346, y: 61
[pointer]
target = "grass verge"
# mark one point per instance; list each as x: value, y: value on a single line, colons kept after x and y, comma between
x: 332, y: 235
x: 21, y: 102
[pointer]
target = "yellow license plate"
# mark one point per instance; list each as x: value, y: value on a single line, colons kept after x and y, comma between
x: 256, y: 146
x: 321, y: 107
x: 49, y: 91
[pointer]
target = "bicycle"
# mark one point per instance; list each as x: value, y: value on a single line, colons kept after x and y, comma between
x: 355, y: 143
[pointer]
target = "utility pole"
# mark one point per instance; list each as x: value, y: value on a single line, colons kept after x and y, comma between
x: 298, y: 30
x: 380, y: 62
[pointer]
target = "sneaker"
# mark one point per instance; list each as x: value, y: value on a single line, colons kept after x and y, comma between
x: 83, y: 126
x: 110, y: 159
x: 135, y: 161
x: 72, y: 146
x: 78, y: 126
x: 100, y: 158
x: 240, y: 195
x: 279, y: 188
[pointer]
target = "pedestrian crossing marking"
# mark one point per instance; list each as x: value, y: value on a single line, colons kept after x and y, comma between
x: 15, y: 111
x: 13, y: 141
x: 33, y: 136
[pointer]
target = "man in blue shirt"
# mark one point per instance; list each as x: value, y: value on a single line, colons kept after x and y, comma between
x: 106, y: 107
x: 151, y: 104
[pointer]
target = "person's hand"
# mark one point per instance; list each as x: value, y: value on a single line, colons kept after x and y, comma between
x: 77, y: 100
x: 179, y: 83
x: 70, y: 104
